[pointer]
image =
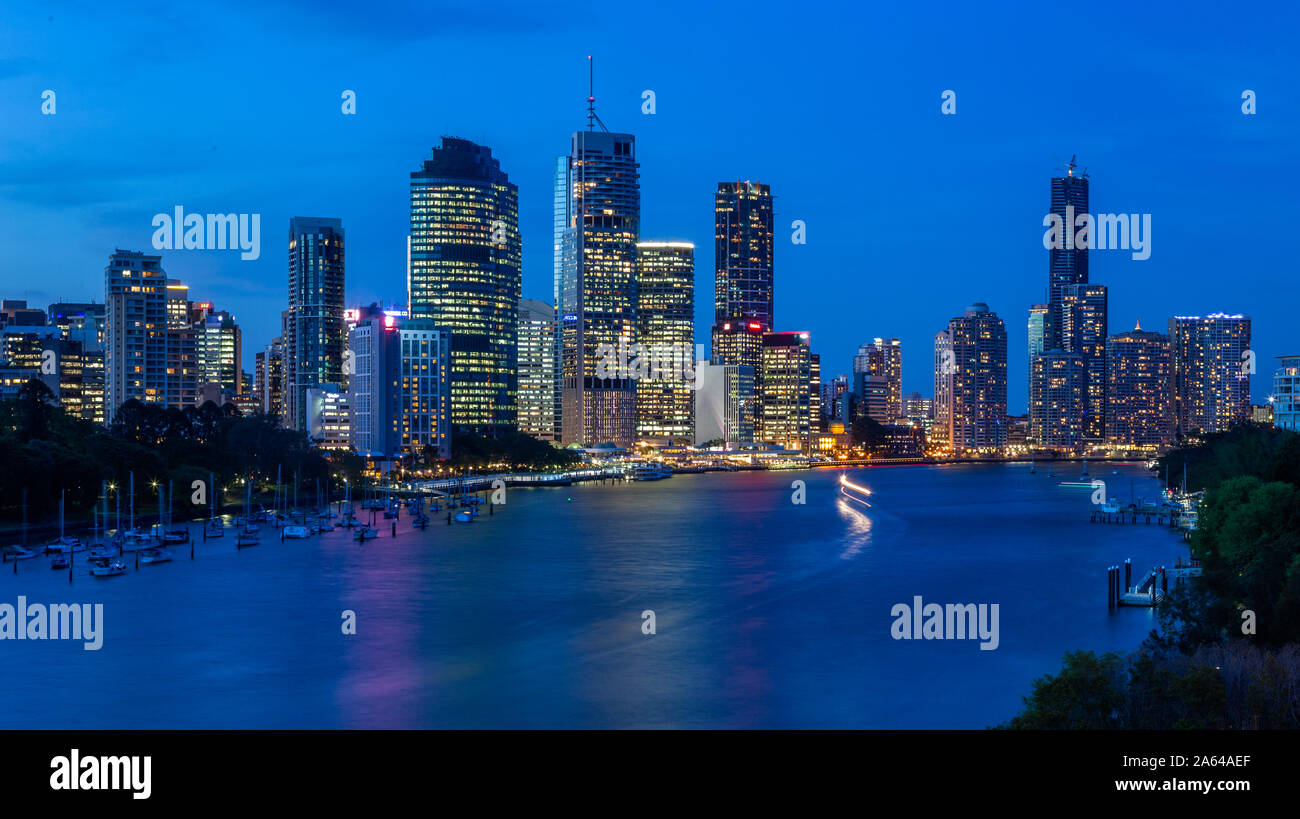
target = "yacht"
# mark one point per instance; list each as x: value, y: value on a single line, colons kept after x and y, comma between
x: 60, y: 561
x: 295, y: 532
x: 649, y: 472
x: 364, y: 533
x: 107, y: 567
x: 65, y: 545
x: 465, y: 516
x: 19, y: 553
x: 155, y: 556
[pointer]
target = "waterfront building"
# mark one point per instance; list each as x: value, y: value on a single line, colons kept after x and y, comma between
x: 1138, y: 369
x: 1067, y: 265
x: 665, y: 406
x: 743, y: 256
x: 313, y: 331
x: 1211, y: 367
x: 787, y: 407
x: 725, y: 403
x: 1056, y: 414
x: 399, y: 390
x: 465, y: 275
x: 137, y: 339
x: 539, y: 405
x: 329, y: 418
x: 1083, y: 311
x: 943, y: 367
x: 1286, y: 393
x: 598, y: 201
x: 977, y: 385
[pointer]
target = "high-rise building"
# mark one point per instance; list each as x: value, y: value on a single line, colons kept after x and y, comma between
x: 1056, y: 411
x: 329, y: 417
x: 539, y: 411
x: 724, y: 403
x: 1039, y: 326
x: 1138, y: 390
x: 977, y: 402
x: 182, y: 347
x: 465, y: 276
x: 270, y: 378
x: 665, y: 405
x: 136, y: 338
x: 943, y: 371
x: 1083, y: 312
x: 1068, y: 264
x: 1286, y: 393
x: 314, y: 334
x: 739, y: 343
x: 1212, y: 364
x: 220, y: 347
x: 743, y: 253
x: 598, y: 195
x: 399, y: 389
x: 878, y: 378
x: 788, y: 415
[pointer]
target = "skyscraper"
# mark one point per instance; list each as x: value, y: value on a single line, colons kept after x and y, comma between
x: 878, y: 378
x: 788, y: 400
x: 465, y: 275
x: 314, y: 334
x: 1068, y: 264
x: 219, y: 348
x: 538, y: 407
x: 136, y: 330
x: 943, y: 370
x: 743, y: 253
x: 1056, y: 411
x: 724, y: 403
x: 1084, y: 312
x: 598, y: 194
x: 399, y: 389
x: 1212, y: 364
x: 977, y: 403
x: 1039, y: 325
x: 1138, y: 392
x: 665, y: 406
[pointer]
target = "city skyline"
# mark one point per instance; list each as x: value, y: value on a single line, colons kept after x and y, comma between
x: 859, y: 275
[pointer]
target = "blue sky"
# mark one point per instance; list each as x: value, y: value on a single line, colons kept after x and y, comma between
x: 911, y: 215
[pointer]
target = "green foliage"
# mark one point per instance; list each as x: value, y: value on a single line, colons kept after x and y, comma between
x: 1087, y: 693
x: 46, y: 452
x: 515, y: 450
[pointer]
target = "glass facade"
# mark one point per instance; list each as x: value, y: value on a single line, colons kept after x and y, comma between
x: 538, y: 410
x: 665, y: 406
x: 1211, y: 368
x: 743, y: 253
x: 465, y: 276
x: 314, y: 333
x: 597, y: 297
x: 1137, y: 409
x: 977, y: 414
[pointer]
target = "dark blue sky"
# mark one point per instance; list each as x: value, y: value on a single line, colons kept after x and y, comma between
x: 911, y: 215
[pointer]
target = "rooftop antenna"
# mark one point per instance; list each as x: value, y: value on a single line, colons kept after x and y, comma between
x: 591, y: 96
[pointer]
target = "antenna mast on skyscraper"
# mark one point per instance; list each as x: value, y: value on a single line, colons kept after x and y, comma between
x: 591, y: 96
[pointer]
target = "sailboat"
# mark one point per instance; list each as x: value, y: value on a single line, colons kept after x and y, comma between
x: 247, y: 532
x: 64, y: 543
x: 214, y: 527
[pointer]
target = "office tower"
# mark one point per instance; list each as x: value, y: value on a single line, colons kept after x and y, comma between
x: 1039, y: 326
x: 1138, y: 390
x: 916, y: 407
x: 878, y: 378
x: 1212, y: 363
x: 136, y: 330
x: 1056, y: 412
x: 1083, y: 312
x: 182, y: 348
x: 598, y: 194
x: 787, y: 407
x: 399, y: 389
x: 219, y: 345
x: 724, y: 403
x: 313, y: 331
x: 977, y: 401
x: 30, y: 352
x: 1068, y: 264
x: 943, y: 368
x: 837, y: 399
x: 538, y: 402
x: 739, y: 343
x: 743, y: 253
x: 270, y: 378
x: 1286, y: 393
x: 329, y: 418
x: 16, y: 312
x: 465, y: 276
x: 665, y: 407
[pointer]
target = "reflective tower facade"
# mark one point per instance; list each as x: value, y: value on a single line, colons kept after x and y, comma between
x: 465, y: 276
